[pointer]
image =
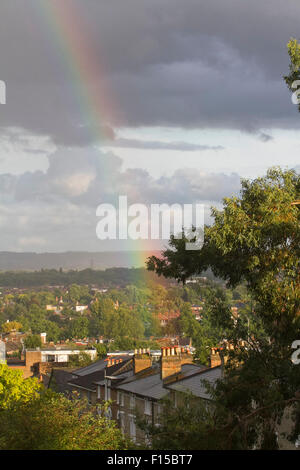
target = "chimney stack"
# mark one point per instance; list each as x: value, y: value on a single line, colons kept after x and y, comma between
x: 218, y: 357
x: 172, y: 359
x: 142, y: 360
x: 43, y: 338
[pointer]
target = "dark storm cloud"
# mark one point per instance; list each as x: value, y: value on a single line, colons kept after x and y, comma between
x: 188, y: 63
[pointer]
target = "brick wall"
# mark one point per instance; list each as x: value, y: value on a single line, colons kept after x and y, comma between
x: 172, y: 359
x: 141, y: 362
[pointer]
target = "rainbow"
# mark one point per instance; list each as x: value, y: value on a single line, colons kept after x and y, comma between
x: 71, y: 41
x: 85, y: 69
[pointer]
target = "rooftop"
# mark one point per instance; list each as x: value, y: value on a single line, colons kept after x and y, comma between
x: 64, y: 347
x: 91, y: 378
x: 195, y: 383
x: 149, y: 383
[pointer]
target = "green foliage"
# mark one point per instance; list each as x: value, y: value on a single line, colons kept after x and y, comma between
x: 121, y: 343
x: 79, y: 360
x: 101, y: 350
x: 32, y: 342
x: 176, y: 262
x: 205, y: 333
x: 112, y: 277
x: 255, y: 240
x: 129, y: 314
x: 11, y: 326
x: 79, y: 327
x: 14, y: 389
x: 53, y: 422
x: 122, y: 322
x: 188, y: 426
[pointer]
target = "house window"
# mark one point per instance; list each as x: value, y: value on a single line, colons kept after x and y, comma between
x: 132, y: 427
x: 132, y: 401
x: 121, y: 419
x: 175, y: 400
x: 120, y: 398
x: 148, y: 407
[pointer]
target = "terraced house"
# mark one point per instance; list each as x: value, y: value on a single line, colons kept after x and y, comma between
x: 134, y: 385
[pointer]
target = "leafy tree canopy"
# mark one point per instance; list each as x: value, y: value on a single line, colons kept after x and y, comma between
x: 14, y: 389
x: 53, y: 422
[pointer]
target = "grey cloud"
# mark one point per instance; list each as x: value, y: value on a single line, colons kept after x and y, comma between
x: 165, y: 62
x: 263, y: 137
x: 156, y: 145
x: 87, y: 178
x: 56, y: 210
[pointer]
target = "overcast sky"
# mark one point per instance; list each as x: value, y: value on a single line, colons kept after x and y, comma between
x: 163, y: 100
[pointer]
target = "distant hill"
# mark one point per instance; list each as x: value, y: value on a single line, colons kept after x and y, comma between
x: 11, y: 261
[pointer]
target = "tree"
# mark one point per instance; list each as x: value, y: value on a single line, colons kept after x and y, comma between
x: 33, y: 341
x: 79, y: 294
x: 79, y: 327
x: 79, y: 360
x: 122, y: 322
x: 11, y: 326
x: 52, y: 330
x: 189, y: 425
x: 207, y: 332
x: 176, y: 262
x: 74, y: 293
x: 53, y: 422
x: 102, y: 309
x: 14, y: 389
x: 255, y: 239
x: 101, y: 350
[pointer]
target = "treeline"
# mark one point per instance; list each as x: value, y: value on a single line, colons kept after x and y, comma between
x: 111, y: 277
